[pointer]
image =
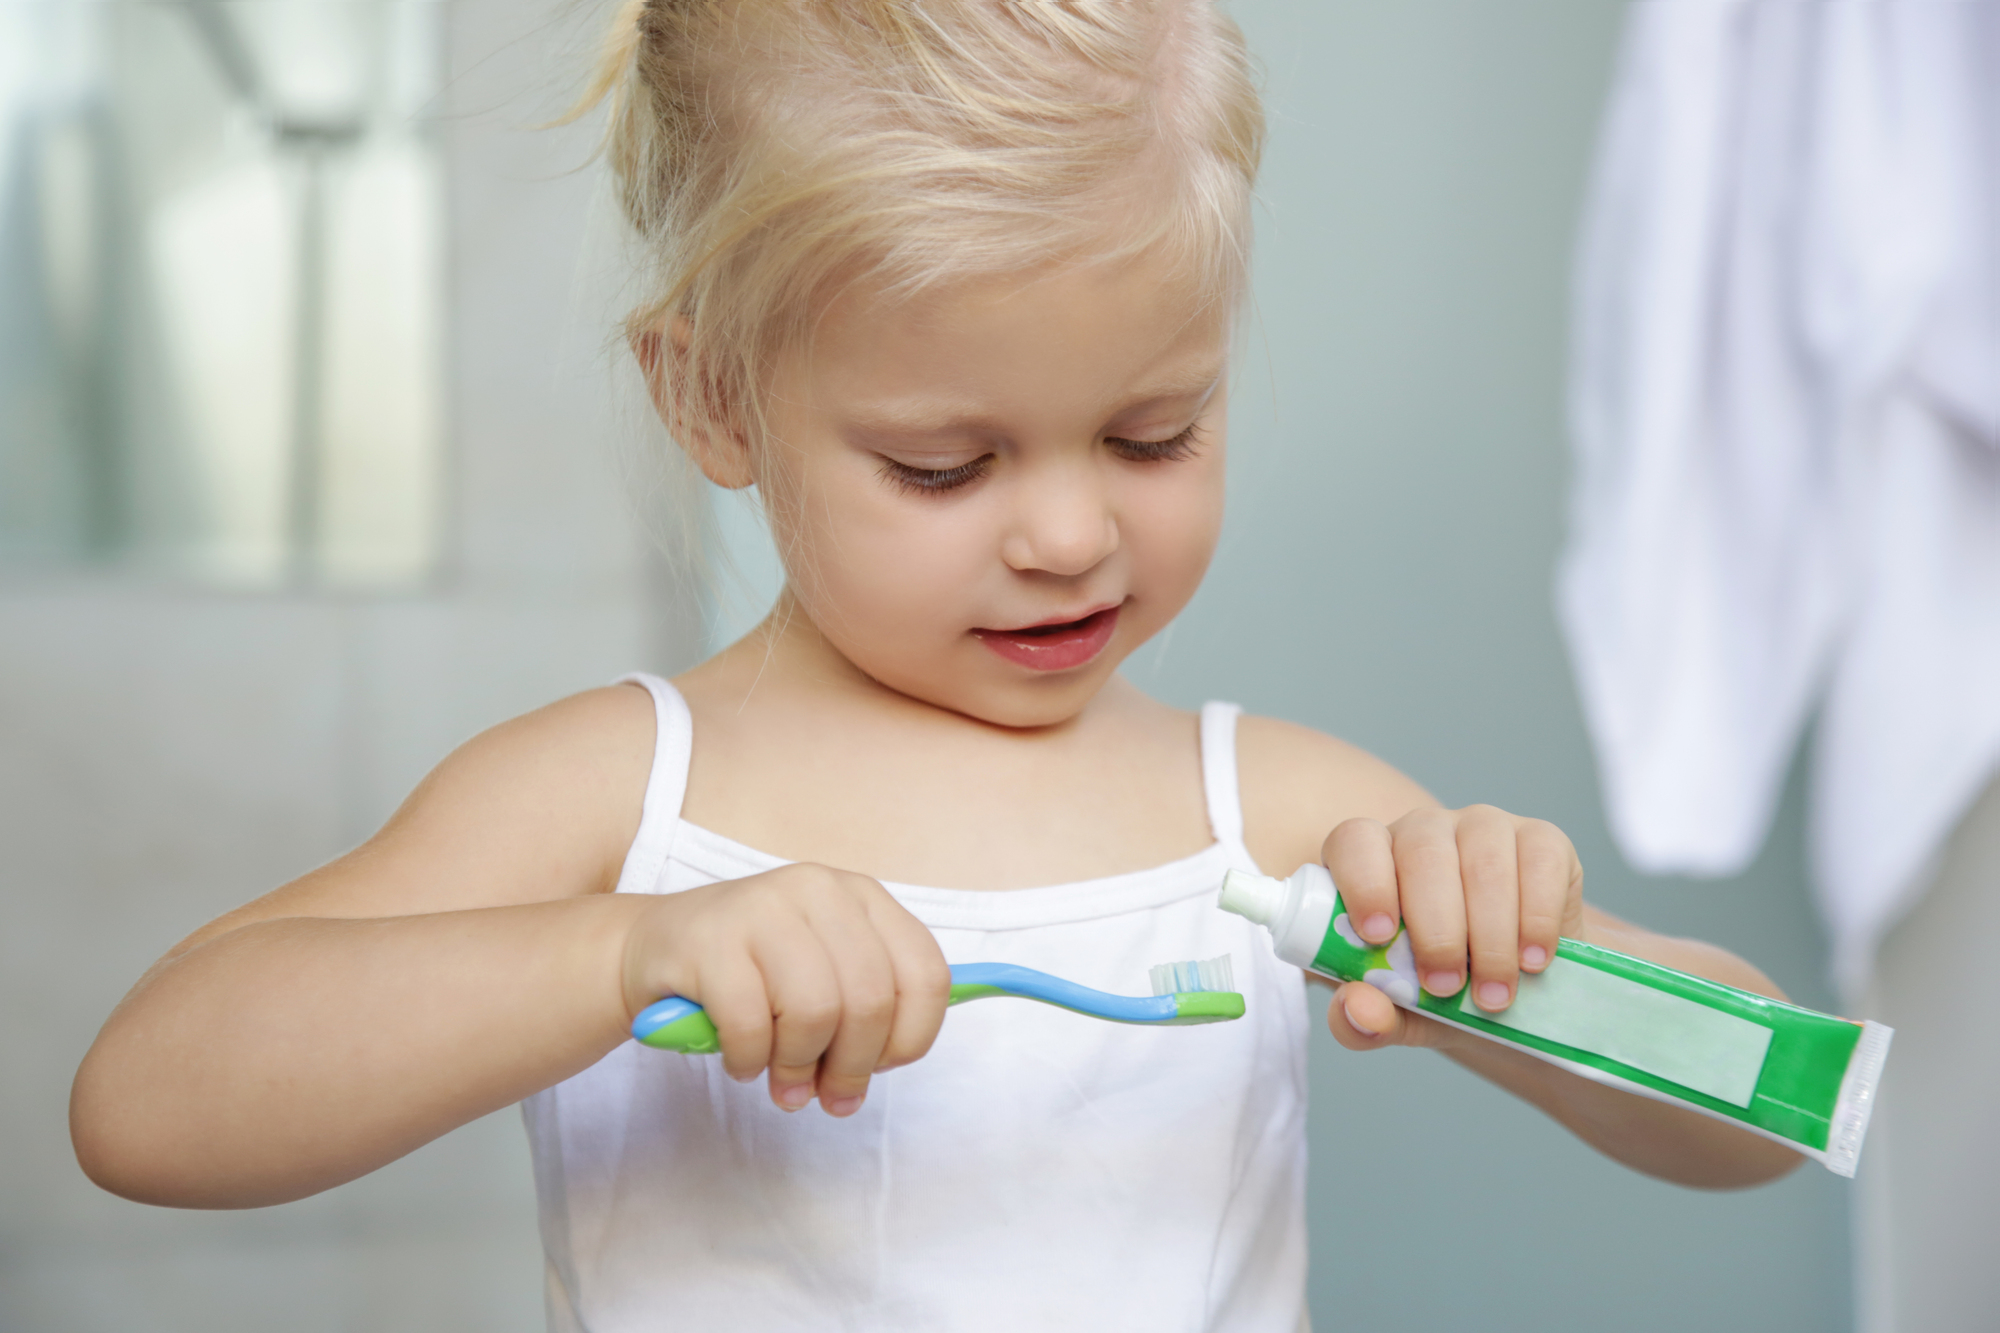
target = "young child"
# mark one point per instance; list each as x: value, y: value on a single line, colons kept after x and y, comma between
x: 953, y: 281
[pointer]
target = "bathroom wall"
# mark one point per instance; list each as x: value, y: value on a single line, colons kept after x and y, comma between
x: 167, y: 753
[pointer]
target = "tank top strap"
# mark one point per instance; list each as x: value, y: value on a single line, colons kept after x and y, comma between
x: 666, y: 787
x: 1218, y: 772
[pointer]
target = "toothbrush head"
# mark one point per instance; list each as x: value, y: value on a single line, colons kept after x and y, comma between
x: 1208, y: 974
x: 1202, y: 992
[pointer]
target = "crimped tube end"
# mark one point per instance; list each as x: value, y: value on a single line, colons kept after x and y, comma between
x: 1857, y: 1099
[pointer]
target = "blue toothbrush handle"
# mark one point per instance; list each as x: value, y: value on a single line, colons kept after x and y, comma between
x: 677, y: 1024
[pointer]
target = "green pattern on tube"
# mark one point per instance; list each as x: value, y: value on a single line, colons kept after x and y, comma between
x: 1804, y: 1078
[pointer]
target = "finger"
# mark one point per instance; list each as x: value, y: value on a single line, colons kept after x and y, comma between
x: 732, y: 993
x: 867, y: 981
x: 1359, y: 855
x: 1362, y: 1018
x: 805, y: 1008
x: 1490, y: 871
x: 1427, y: 875
x: 1550, y: 879
x: 923, y: 981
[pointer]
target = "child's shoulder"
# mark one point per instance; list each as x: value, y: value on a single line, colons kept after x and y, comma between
x: 1297, y: 784
x: 555, y: 794
x: 537, y: 808
x: 584, y: 742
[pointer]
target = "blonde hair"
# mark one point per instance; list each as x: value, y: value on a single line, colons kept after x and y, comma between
x: 769, y: 152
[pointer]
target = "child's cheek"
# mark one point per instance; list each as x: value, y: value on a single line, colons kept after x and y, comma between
x: 1172, y: 537
x: 885, y: 578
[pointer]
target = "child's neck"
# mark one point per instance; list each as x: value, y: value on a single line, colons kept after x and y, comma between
x: 801, y: 754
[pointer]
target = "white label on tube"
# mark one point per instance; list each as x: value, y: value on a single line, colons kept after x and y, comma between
x: 1664, y: 1035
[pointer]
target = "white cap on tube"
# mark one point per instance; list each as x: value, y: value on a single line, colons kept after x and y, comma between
x: 1296, y: 911
x: 1255, y: 898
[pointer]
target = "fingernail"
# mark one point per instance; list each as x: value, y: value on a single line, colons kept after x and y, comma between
x: 1534, y: 956
x: 841, y: 1105
x: 1493, y: 995
x: 1442, y: 983
x: 794, y: 1097
x: 1366, y: 1032
x: 1378, y: 927
x: 750, y: 1077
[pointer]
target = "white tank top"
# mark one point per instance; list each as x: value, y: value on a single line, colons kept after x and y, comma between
x: 1038, y: 1170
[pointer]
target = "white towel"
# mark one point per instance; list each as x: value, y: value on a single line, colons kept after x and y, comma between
x: 1786, y: 414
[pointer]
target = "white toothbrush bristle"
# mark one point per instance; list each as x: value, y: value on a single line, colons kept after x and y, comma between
x: 1208, y: 974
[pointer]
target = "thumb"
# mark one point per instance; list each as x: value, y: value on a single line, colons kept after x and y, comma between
x: 1362, y: 1018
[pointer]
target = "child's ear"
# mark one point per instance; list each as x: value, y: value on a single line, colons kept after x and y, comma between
x: 719, y: 450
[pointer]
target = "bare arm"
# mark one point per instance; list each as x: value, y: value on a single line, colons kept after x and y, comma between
x: 1296, y: 782
x: 1666, y: 1141
x: 292, y: 1055
x: 464, y: 957
x: 471, y: 954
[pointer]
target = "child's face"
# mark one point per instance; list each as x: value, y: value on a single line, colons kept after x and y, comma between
x: 1003, y: 456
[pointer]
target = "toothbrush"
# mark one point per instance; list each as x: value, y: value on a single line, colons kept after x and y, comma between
x: 1183, y: 994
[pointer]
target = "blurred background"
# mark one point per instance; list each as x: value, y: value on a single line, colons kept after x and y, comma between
x: 308, y: 473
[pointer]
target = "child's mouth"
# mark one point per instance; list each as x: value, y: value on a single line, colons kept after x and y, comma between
x: 1054, y: 647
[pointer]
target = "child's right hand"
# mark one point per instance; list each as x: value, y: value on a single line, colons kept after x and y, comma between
x: 816, y: 975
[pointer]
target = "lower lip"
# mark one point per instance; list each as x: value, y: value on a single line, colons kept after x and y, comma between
x: 1056, y: 649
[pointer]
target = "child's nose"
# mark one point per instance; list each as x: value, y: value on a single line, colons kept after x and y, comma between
x: 1066, y: 529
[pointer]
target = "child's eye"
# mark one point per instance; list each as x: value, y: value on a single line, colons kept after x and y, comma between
x: 911, y: 480
x: 1156, y: 451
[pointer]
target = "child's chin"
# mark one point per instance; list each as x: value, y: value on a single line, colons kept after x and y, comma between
x: 1023, y: 702
x: 1040, y: 710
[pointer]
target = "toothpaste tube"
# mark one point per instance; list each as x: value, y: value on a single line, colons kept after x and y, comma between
x: 1806, y: 1079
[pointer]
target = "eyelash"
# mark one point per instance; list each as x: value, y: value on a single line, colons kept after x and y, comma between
x: 915, y: 480
x: 1157, y: 451
x: 912, y: 480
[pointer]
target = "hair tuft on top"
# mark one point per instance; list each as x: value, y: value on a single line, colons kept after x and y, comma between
x: 769, y: 151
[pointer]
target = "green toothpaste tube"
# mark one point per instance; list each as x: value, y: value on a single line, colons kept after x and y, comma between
x: 1806, y: 1079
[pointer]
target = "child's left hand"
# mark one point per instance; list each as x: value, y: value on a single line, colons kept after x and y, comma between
x: 1477, y: 886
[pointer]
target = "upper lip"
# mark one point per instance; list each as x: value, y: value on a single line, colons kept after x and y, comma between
x: 1053, y: 621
